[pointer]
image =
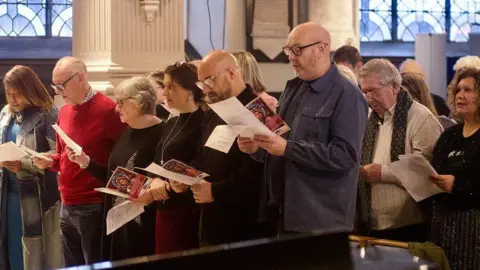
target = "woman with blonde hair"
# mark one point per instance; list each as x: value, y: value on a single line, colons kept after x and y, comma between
x: 418, y: 89
x: 252, y: 75
x: 456, y: 159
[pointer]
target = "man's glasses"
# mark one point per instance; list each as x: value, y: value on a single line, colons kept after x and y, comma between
x: 209, y: 82
x: 297, y: 50
x: 61, y: 87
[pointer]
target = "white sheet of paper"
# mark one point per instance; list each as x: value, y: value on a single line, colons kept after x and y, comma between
x: 111, y: 192
x: 414, y: 172
x: 69, y: 142
x: 121, y: 214
x: 223, y: 137
x: 235, y: 114
x: 11, y: 152
x: 35, y: 153
x: 159, y: 170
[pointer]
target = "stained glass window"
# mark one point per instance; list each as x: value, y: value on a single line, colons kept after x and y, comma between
x: 402, y: 20
x: 30, y: 18
x: 376, y: 20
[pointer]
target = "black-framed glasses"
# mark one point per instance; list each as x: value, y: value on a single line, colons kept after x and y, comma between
x: 61, y: 87
x: 297, y: 50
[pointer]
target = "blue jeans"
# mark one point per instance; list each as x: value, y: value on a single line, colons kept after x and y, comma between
x: 81, y: 228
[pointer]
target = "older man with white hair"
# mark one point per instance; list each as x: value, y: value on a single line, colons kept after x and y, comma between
x: 397, y: 125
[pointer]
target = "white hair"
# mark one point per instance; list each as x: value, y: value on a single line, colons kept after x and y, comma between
x: 141, y: 91
x: 469, y: 61
x: 382, y: 68
x: 348, y: 74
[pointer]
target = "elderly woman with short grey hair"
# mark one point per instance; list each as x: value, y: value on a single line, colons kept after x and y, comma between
x: 136, y: 100
x: 398, y: 125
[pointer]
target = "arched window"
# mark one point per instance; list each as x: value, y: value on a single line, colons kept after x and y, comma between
x: 36, y: 18
x: 401, y: 20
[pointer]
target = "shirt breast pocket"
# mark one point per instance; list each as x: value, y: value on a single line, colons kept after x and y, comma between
x: 314, y: 124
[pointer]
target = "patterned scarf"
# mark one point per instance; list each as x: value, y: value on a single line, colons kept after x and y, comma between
x: 400, y: 116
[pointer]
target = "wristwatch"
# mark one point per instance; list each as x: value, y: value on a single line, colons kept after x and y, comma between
x: 86, y: 165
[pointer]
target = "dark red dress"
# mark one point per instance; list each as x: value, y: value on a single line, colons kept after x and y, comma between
x: 178, y: 217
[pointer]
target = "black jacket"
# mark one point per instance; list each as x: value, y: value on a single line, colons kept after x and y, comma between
x: 235, y: 179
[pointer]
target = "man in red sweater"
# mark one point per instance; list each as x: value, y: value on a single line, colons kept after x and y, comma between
x: 89, y: 119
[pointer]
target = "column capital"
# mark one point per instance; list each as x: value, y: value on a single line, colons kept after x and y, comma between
x: 150, y: 8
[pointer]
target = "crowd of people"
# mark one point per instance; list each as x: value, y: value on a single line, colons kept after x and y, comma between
x: 348, y: 122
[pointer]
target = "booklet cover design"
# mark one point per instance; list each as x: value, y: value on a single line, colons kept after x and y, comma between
x: 127, y: 184
x: 267, y: 116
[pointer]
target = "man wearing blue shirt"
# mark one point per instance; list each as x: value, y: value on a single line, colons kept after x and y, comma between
x: 311, y: 172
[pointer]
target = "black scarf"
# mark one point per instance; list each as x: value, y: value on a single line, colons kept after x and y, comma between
x: 400, y: 117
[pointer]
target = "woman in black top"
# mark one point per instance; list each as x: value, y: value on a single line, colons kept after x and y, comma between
x: 136, y: 100
x: 456, y: 158
x: 177, y: 214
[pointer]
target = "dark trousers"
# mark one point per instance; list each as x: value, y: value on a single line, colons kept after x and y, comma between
x: 411, y: 233
x: 81, y: 230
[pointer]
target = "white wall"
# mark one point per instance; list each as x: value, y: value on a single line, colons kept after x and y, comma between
x: 198, y: 32
x: 275, y: 74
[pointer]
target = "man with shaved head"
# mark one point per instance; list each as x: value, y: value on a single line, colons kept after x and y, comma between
x: 89, y: 119
x: 229, y: 196
x: 311, y: 172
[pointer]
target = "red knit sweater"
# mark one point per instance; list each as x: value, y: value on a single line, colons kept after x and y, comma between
x: 95, y: 126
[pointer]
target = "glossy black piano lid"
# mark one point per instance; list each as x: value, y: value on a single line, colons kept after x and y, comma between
x: 306, y: 251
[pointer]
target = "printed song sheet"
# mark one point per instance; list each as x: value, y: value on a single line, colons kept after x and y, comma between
x: 11, y: 152
x: 69, y: 142
x: 414, y: 172
x: 34, y: 153
x: 121, y: 214
x: 177, y: 171
x: 256, y: 118
x: 223, y: 137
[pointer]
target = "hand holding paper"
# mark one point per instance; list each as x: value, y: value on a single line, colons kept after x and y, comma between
x: 445, y: 182
x: 69, y: 142
x: 11, y: 152
x: 414, y: 172
x: 275, y: 145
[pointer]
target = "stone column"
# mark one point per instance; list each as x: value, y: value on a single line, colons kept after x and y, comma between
x: 121, y: 39
x: 235, y: 26
x: 340, y: 18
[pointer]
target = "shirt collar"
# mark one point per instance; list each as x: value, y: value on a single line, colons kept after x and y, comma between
x: 389, y: 113
x: 89, y: 96
x: 321, y: 82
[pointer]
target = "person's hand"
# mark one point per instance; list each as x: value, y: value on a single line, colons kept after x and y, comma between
x: 372, y: 172
x: 202, y: 192
x: 178, y: 187
x: 82, y: 160
x: 247, y: 145
x: 444, y: 182
x: 42, y: 163
x: 274, y: 145
x: 13, y: 166
x: 158, y: 191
